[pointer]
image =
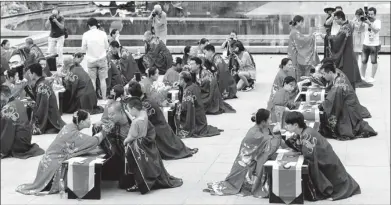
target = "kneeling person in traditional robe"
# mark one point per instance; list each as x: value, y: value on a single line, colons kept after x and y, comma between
x: 247, y: 175
x: 210, y: 93
x: 226, y: 82
x: 156, y: 53
x: 70, y: 142
x: 190, y: 115
x: 283, y: 97
x: 326, y: 171
x: 142, y: 155
x: 15, y: 84
x: 15, y: 128
x: 80, y: 93
x: 169, y: 144
x: 343, y: 112
x: 46, y: 116
x: 172, y: 74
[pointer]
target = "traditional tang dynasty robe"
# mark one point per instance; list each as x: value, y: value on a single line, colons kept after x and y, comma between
x: 247, y: 174
x: 226, y: 82
x: 210, y: 94
x: 278, y: 84
x: 80, y: 93
x: 343, y: 54
x: 144, y: 161
x: 190, y: 115
x: 343, y: 113
x: 16, y: 132
x: 125, y: 62
x: 70, y: 142
x: 157, y: 55
x: 168, y: 143
x: 326, y: 170
x: 301, y: 50
x: 46, y: 113
x: 282, y: 98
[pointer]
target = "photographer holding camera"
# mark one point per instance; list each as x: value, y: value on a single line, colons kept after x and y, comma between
x: 371, y: 45
x: 358, y: 33
x: 57, y: 35
x: 159, y: 23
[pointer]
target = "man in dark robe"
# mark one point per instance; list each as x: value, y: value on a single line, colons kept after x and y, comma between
x: 190, y: 114
x: 145, y: 171
x: 326, y: 171
x: 342, y: 110
x: 342, y: 49
x: 35, y: 53
x: 169, y: 144
x: 47, y: 118
x: 80, y: 93
x: 124, y: 60
x: 226, y: 82
x: 156, y: 53
x: 15, y: 128
x: 210, y: 93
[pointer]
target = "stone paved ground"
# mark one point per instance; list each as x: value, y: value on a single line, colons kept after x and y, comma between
x: 367, y: 160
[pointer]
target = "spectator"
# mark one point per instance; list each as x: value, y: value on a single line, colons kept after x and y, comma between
x: 358, y: 33
x: 114, y: 36
x: 246, y: 71
x: 57, y: 35
x: 371, y: 43
x: 159, y: 23
x: 229, y: 42
x: 186, y: 54
x: 95, y: 44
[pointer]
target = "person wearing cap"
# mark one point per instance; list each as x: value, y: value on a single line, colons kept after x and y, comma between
x: 198, y: 51
x: 330, y: 22
x: 80, y: 93
x: 156, y: 53
x: 329, y: 11
x: 159, y: 23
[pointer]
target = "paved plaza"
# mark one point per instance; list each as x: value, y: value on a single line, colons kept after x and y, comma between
x: 367, y: 160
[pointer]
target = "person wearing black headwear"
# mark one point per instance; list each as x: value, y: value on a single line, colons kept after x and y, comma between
x: 328, y: 24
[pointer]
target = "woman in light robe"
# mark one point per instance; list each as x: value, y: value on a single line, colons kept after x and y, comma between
x: 247, y: 175
x: 70, y: 142
x: 284, y: 98
x: 301, y: 49
x: 286, y: 69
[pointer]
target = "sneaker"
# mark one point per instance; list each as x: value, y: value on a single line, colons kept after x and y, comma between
x: 370, y: 80
x: 247, y: 88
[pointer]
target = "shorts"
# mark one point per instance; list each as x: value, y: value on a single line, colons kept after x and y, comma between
x: 249, y: 74
x: 370, y: 51
x: 98, y: 68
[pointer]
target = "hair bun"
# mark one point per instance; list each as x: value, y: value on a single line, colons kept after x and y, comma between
x: 253, y: 119
x: 290, y: 22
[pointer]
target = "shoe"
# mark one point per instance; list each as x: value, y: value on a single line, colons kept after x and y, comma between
x: 247, y: 88
x: 370, y: 80
x: 132, y: 189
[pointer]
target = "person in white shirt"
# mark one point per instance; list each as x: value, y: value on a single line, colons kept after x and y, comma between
x: 371, y: 45
x: 95, y: 45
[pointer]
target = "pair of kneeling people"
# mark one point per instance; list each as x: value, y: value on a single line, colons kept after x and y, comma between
x: 145, y: 167
x: 327, y: 175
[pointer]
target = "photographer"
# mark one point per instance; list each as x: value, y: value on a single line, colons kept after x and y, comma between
x: 229, y: 42
x: 358, y: 33
x: 159, y: 23
x: 57, y: 35
x: 371, y: 45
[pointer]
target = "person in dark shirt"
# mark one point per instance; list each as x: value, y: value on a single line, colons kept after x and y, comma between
x: 57, y: 35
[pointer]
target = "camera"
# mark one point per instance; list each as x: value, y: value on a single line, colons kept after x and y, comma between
x: 154, y: 13
x: 52, y: 17
x: 365, y: 17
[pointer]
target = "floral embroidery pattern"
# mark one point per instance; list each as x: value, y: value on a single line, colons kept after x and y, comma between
x: 45, y: 161
x: 245, y: 155
x: 69, y: 149
x: 10, y: 112
x: 139, y: 151
x: 70, y: 77
x: 44, y: 89
x: 332, y: 122
x: 309, y: 142
x: 183, y: 133
x: 346, y: 30
x: 148, y: 107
